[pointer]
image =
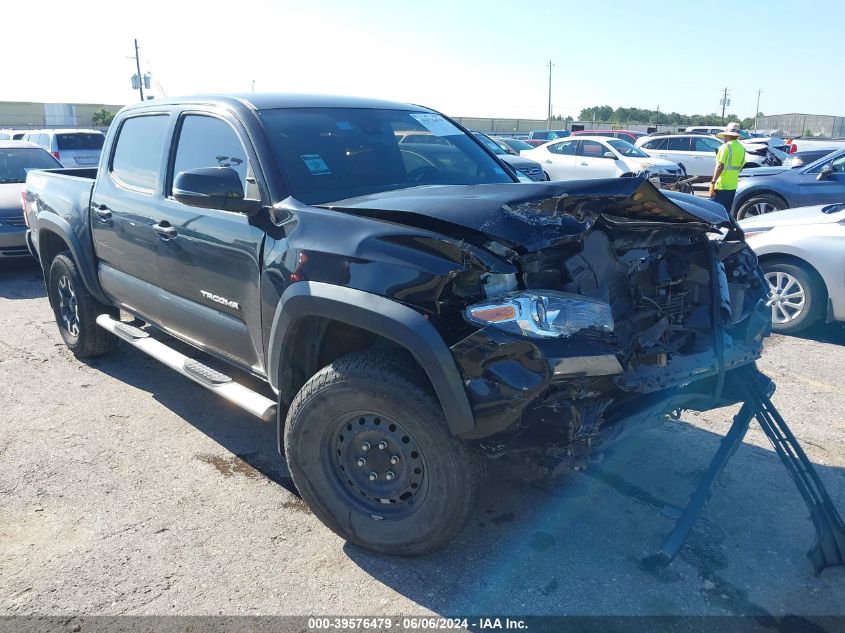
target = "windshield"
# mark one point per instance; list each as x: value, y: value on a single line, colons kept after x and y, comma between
x: 15, y: 163
x: 80, y: 140
x: 490, y: 144
x: 626, y: 149
x: 329, y: 154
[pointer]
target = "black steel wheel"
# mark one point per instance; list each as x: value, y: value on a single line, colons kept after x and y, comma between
x: 76, y: 310
x: 376, y: 464
x: 370, y: 452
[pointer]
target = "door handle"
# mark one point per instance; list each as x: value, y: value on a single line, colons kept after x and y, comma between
x: 164, y: 229
x: 102, y: 212
x: 548, y: 162
x: 584, y: 164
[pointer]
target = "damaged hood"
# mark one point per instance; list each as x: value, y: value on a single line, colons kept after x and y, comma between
x: 533, y: 215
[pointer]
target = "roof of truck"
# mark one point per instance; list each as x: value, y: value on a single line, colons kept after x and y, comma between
x: 268, y: 101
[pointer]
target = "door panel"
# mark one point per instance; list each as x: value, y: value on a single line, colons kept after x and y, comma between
x: 124, y: 203
x: 559, y: 162
x: 210, y: 263
x: 590, y: 162
x: 813, y: 191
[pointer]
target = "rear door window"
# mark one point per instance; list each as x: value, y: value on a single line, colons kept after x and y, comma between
x: 659, y: 143
x: 566, y: 148
x: 139, y: 151
x: 679, y: 144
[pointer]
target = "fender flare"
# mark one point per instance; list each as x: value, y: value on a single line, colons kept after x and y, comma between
x: 84, y: 260
x: 382, y: 316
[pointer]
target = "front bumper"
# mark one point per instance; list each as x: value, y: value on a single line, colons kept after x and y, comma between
x: 514, y: 383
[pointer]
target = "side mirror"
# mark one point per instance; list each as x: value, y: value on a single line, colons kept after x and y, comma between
x: 213, y: 188
x: 825, y: 173
x: 610, y: 155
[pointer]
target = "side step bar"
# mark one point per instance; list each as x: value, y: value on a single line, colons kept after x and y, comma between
x: 213, y: 380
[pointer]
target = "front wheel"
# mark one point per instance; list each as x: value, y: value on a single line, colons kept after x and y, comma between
x: 797, y: 296
x: 76, y: 310
x: 760, y: 205
x: 370, y: 452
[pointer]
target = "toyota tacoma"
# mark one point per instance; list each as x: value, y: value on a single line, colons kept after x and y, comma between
x: 416, y: 312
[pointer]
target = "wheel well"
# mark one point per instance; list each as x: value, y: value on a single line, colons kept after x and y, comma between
x: 318, y: 341
x: 50, y: 244
x: 772, y: 258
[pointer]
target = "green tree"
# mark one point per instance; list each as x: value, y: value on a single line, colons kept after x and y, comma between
x: 102, y: 117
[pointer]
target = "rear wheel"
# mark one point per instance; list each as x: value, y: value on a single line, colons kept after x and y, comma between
x: 76, y: 310
x: 370, y: 451
x: 797, y: 296
x: 760, y: 205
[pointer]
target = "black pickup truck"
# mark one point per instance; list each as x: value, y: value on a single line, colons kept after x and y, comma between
x: 416, y: 311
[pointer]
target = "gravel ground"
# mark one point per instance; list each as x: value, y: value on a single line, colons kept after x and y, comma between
x: 126, y: 489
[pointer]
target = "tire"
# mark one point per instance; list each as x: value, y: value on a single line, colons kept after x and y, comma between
x: 340, y: 417
x: 76, y: 310
x: 793, y: 312
x: 759, y: 205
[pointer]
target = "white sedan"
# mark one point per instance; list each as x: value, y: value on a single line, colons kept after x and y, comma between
x: 587, y: 157
x: 802, y: 253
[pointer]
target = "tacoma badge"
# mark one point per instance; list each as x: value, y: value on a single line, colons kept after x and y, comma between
x: 221, y: 300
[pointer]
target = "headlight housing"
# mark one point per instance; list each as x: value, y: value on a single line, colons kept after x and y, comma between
x: 542, y: 314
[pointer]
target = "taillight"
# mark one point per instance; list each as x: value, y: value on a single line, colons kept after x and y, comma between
x: 23, y: 206
x: 793, y: 148
x: 56, y: 155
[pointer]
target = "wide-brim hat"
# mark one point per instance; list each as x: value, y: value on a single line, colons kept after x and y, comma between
x: 731, y: 131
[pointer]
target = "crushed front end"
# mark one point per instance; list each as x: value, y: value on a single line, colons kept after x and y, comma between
x: 640, y: 312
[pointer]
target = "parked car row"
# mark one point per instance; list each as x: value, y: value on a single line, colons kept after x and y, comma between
x: 588, y: 157
x: 71, y: 147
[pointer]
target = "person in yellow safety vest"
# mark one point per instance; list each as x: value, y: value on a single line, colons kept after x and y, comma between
x: 729, y: 161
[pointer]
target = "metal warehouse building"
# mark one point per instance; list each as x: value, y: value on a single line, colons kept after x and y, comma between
x: 797, y: 124
x: 29, y: 114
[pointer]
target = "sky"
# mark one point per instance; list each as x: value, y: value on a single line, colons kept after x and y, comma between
x: 462, y: 57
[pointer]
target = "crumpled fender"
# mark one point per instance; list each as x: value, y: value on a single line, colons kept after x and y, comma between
x: 385, y: 317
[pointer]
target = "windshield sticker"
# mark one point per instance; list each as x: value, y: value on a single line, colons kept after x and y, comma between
x: 436, y: 124
x: 315, y: 164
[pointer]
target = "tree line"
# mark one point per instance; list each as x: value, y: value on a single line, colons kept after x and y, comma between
x: 607, y: 114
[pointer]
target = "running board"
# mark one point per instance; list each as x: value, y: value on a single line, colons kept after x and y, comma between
x: 201, y: 374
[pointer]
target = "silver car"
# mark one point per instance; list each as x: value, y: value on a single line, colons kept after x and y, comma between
x: 71, y: 147
x: 17, y: 159
x: 802, y: 252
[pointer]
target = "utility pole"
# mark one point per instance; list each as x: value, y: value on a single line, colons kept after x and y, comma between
x: 725, y: 102
x: 757, y: 111
x: 549, y: 118
x: 253, y: 85
x: 138, y: 67
x: 657, y: 119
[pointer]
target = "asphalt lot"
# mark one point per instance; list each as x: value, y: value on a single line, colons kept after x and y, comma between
x: 126, y: 489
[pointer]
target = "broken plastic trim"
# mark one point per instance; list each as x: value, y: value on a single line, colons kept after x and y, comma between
x: 829, y: 547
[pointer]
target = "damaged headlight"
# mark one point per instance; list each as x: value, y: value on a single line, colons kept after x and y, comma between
x: 542, y: 314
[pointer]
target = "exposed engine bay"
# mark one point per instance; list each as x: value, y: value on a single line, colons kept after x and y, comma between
x: 687, y: 305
